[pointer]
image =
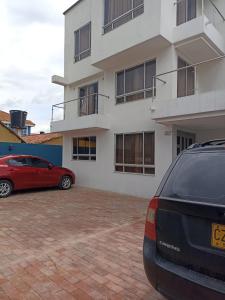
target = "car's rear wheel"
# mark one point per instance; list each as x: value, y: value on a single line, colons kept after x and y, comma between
x: 65, y: 183
x: 5, y: 188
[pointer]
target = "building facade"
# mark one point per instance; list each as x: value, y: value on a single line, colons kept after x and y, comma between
x: 143, y: 80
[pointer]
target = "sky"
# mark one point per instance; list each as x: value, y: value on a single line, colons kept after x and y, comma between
x: 31, y: 51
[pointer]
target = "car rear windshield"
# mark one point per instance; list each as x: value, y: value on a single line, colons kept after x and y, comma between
x: 198, y: 177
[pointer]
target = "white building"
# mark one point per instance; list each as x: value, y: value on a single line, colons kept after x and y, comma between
x: 128, y: 111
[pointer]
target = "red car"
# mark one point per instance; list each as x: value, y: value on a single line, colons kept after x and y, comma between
x: 20, y: 172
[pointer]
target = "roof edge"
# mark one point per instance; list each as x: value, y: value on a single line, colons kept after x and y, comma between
x: 72, y: 6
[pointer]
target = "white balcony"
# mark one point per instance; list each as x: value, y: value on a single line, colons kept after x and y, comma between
x: 201, y: 37
x: 83, y: 117
x: 59, y: 80
x: 201, y: 111
x: 143, y: 34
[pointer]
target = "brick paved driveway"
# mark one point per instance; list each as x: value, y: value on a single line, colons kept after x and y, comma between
x: 77, y: 244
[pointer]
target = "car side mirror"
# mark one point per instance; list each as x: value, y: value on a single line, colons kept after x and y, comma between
x: 50, y: 166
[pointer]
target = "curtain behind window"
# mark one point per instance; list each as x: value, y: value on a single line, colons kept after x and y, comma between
x: 93, y: 99
x: 185, y: 80
x: 85, y: 38
x: 116, y: 8
x: 89, y: 99
x: 83, y: 42
x: 181, y: 12
x: 149, y: 151
x: 191, y: 9
x: 190, y: 81
x: 133, y: 148
x: 181, y: 79
x: 186, y: 11
x: 134, y: 79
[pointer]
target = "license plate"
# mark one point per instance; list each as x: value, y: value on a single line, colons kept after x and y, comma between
x: 218, y: 236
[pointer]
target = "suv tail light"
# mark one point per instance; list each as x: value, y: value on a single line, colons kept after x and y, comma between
x: 150, y: 225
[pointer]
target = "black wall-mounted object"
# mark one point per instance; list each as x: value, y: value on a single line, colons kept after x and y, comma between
x: 18, y: 118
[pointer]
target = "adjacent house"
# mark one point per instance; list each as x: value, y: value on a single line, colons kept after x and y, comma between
x: 5, y: 118
x: 143, y: 80
x: 44, y: 138
x: 7, y: 135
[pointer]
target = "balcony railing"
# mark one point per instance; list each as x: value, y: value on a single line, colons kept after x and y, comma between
x: 79, y: 107
x: 190, y: 9
x: 124, y: 18
x: 163, y: 78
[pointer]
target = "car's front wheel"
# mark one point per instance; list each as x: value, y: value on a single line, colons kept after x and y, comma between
x: 65, y: 183
x: 5, y: 188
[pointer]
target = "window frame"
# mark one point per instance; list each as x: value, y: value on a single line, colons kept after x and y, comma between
x: 38, y: 159
x: 110, y: 26
x: 187, y: 92
x: 78, y: 57
x: 96, y: 83
x: 144, y: 91
x: 143, y: 165
x: 187, y: 17
x: 17, y: 158
x: 91, y: 157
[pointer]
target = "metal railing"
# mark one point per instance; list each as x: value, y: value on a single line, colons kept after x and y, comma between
x: 131, y: 13
x: 158, y: 77
x: 79, y: 107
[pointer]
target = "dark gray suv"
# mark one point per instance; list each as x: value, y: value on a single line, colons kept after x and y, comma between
x: 184, y: 243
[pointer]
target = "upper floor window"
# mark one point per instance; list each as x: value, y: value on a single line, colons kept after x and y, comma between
x: 82, y: 42
x: 185, y: 79
x: 88, y: 104
x: 186, y: 11
x: 118, y: 12
x: 135, y: 83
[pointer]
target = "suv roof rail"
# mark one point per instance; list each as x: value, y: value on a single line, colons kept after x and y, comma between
x: 217, y: 142
x: 193, y: 146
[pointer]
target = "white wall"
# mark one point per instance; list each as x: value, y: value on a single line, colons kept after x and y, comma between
x: 77, y: 17
x: 124, y: 118
x: 100, y: 173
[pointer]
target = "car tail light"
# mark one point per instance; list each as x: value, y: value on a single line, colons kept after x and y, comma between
x: 150, y: 225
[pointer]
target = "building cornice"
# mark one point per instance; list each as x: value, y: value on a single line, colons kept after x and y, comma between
x: 72, y: 6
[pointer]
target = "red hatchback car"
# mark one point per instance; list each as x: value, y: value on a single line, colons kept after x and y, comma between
x: 20, y: 172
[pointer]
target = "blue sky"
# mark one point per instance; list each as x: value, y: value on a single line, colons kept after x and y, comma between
x: 31, y: 51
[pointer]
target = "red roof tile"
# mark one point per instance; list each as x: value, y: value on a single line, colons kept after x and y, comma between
x: 40, y: 138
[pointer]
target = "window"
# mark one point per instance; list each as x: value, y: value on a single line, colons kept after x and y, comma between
x: 82, y: 42
x: 88, y: 103
x: 25, y: 131
x: 184, y: 140
x: 198, y: 177
x: 185, y: 79
x: 18, y: 162
x: 135, y: 153
x: 135, y: 83
x: 118, y: 12
x: 186, y: 11
x: 84, y: 148
x: 39, y: 163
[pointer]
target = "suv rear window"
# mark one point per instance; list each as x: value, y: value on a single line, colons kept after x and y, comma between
x: 198, y: 177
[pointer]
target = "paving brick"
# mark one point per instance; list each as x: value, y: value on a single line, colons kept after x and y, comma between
x: 79, y: 244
